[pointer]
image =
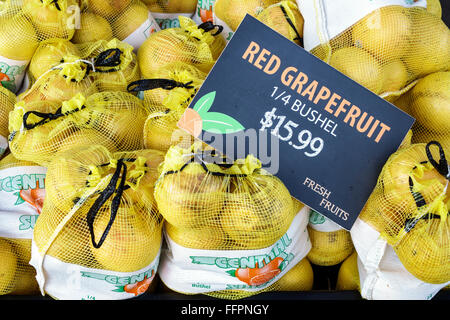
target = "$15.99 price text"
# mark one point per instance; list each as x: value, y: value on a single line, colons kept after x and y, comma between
x: 284, y: 130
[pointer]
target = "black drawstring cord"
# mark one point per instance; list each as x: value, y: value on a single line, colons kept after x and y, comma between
x: 46, y: 117
x: 299, y: 37
x: 101, y: 200
x: 411, y: 222
x: 442, y: 167
x: 150, y: 84
x: 198, y: 157
x: 107, y: 58
x: 56, y: 5
x: 208, y: 26
x: 55, y: 2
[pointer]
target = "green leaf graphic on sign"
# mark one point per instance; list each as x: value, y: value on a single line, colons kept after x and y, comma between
x: 216, y: 122
x: 203, y: 104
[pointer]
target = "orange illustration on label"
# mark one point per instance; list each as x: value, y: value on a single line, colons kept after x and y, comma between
x: 258, y: 276
x: 205, y: 10
x: 4, y: 77
x: 140, y: 287
x: 206, y: 14
x: 34, y: 197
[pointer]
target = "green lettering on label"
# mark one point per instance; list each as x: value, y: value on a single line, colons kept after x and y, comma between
x: 233, y: 263
x: 205, y: 4
x: 168, y: 23
x: 29, y: 181
x: 137, y: 278
x: 93, y: 275
x: 6, y: 184
x: 316, y: 218
x: 22, y: 182
x: 257, y: 261
x: 248, y: 262
x: 222, y: 262
x: 116, y: 280
x: 112, y: 279
x: 16, y: 182
x: 27, y: 222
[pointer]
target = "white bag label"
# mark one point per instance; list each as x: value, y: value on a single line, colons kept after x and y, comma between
x: 22, y: 193
x: 65, y: 281
x: 382, y: 275
x: 142, y: 33
x: 321, y: 223
x: 325, y: 19
x: 197, y: 271
x: 12, y: 73
x: 3, y: 145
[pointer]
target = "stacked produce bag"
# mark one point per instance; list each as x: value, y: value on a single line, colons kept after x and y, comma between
x: 100, y: 220
x: 22, y: 191
x: 282, y: 16
x: 60, y: 69
x: 330, y: 243
x: 24, y: 25
x: 401, y: 52
x: 385, y: 46
x: 102, y: 196
x: 130, y: 21
x: 7, y: 102
x: 401, y: 235
x: 167, y: 93
x: 238, y: 214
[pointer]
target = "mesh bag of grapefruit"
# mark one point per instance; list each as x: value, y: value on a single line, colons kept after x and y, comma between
x: 429, y: 103
x: 331, y: 244
x: 41, y: 129
x: 130, y: 21
x: 232, y: 229
x: 385, y: 46
x: 99, y: 232
x: 167, y: 94
x: 407, y: 215
x: 24, y: 25
x: 282, y: 16
x: 7, y: 102
x: 59, y: 69
x: 197, y: 45
x: 22, y: 192
x: 285, y: 18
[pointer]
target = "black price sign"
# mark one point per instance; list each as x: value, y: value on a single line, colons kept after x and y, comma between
x: 324, y: 135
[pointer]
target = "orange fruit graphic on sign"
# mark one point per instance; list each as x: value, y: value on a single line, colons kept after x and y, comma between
x: 192, y: 122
